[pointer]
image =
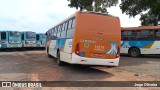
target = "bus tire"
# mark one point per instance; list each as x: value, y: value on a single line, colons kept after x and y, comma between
x: 59, y: 62
x: 134, y: 52
x: 50, y: 56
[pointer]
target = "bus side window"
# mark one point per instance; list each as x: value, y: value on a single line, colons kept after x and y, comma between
x: 128, y: 35
x: 52, y: 30
x: 3, y: 35
x: 63, y: 33
x: 70, y: 30
x: 151, y: 35
x: 73, y: 23
x: 157, y: 37
x: 58, y: 33
x: 70, y: 24
x: 132, y: 35
x: 138, y: 36
x: 122, y: 35
x: 66, y: 25
x: 61, y: 27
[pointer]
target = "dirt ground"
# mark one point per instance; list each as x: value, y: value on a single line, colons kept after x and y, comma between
x: 36, y: 66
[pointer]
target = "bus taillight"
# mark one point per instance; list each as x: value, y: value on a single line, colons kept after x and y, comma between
x: 118, y: 52
x: 77, y: 51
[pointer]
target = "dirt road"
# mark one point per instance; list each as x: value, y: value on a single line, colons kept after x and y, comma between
x: 35, y: 65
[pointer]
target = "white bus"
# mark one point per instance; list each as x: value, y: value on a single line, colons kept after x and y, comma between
x: 141, y: 40
x: 86, y: 38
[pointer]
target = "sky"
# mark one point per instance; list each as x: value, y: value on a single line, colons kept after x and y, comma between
x: 41, y: 15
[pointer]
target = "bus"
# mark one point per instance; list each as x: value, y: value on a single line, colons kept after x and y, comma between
x: 41, y: 40
x: 137, y: 41
x: 29, y: 39
x: 87, y: 38
x: 10, y: 39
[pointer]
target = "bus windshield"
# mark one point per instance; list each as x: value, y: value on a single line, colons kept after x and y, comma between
x: 31, y: 35
x: 15, y: 34
x: 43, y: 35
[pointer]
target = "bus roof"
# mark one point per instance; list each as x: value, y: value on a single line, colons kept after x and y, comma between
x: 99, y: 13
x: 63, y: 20
x: 28, y: 31
x: 9, y: 31
x: 90, y: 12
x: 141, y: 28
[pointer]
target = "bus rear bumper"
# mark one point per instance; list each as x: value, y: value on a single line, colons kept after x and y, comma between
x: 94, y: 61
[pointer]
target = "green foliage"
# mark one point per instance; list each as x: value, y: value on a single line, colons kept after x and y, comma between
x: 135, y: 7
x: 149, y: 19
x: 93, y: 5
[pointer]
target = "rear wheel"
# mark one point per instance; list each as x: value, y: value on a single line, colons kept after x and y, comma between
x: 50, y: 56
x: 134, y: 52
x: 59, y: 62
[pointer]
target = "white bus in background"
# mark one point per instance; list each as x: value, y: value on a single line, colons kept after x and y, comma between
x: 141, y: 40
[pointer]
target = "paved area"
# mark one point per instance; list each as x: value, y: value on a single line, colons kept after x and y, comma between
x: 36, y: 66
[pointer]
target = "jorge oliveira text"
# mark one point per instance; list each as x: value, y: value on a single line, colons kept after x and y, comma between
x: 145, y: 84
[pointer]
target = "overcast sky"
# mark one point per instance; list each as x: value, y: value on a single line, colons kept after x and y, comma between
x: 40, y: 15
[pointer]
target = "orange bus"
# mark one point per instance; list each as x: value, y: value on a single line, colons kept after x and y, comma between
x: 87, y: 38
x: 141, y: 40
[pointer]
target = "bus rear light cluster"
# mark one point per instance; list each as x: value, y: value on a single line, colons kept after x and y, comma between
x: 118, y: 52
x: 77, y: 51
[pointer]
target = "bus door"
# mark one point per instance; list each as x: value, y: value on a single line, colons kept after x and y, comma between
x: 42, y: 40
x: 38, y: 40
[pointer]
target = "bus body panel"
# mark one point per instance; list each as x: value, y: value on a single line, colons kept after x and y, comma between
x: 29, y: 39
x: 11, y: 39
x: 146, y: 47
x: 99, y: 42
x: 52, y: 50
x: 65, y: 47
x: 41, y: 40
x: 145, y: 38
x: 94, y: 61
x: 66, y: 51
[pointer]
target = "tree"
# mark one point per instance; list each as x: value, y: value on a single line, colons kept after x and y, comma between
x: 93, y: 5
x: 135, y: 7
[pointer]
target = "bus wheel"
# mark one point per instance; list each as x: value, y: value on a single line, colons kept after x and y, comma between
x: 50, y: 56
x: 59, y: 62
x: 134, y: 52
